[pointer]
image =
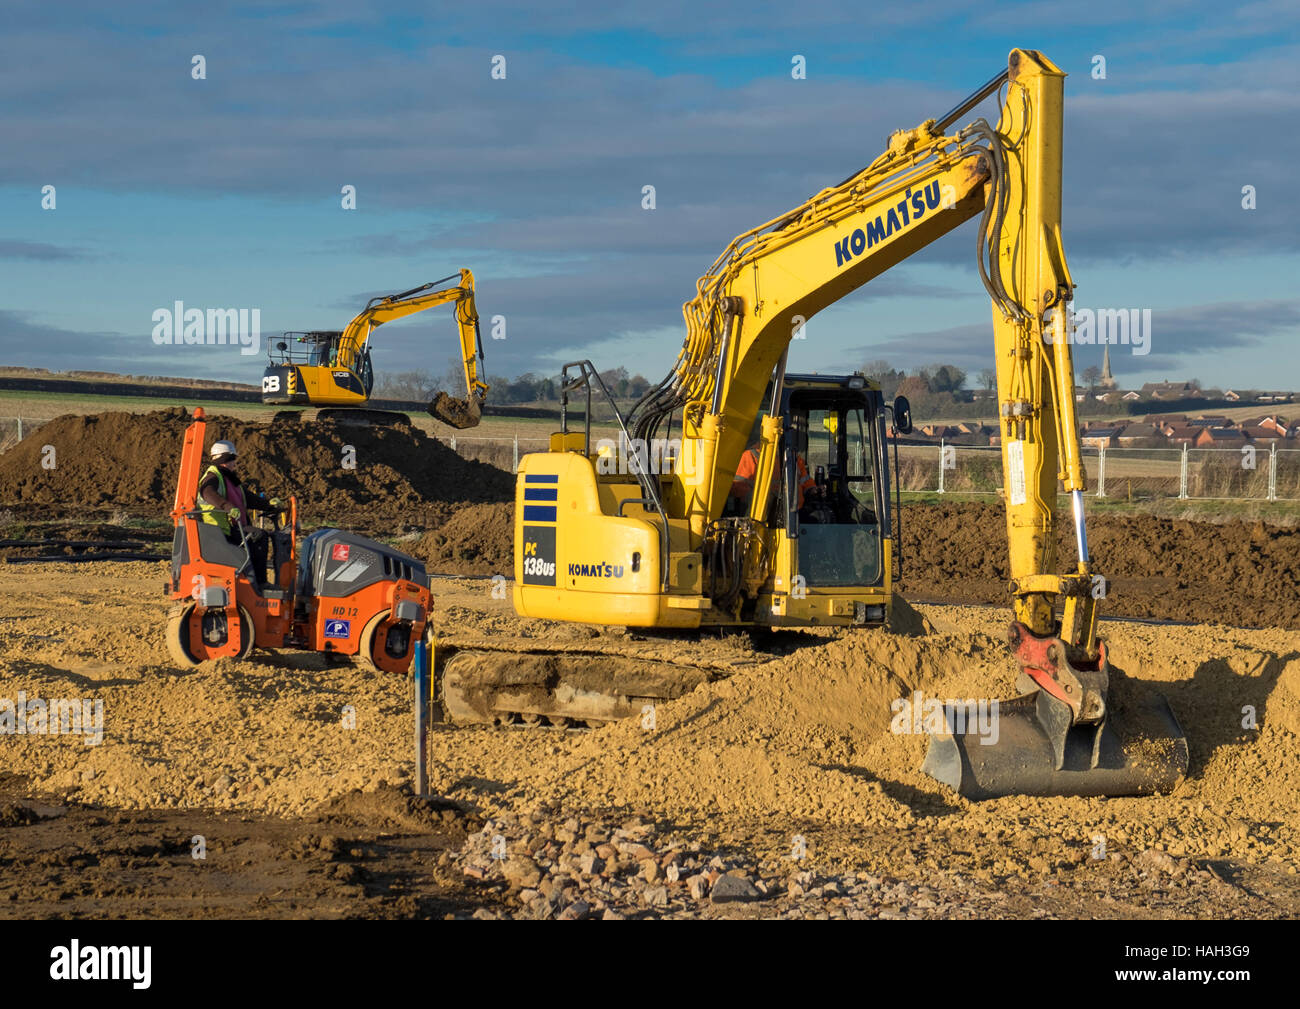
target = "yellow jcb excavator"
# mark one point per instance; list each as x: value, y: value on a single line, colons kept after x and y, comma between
x: 648, y: 532
x: 332, y: 368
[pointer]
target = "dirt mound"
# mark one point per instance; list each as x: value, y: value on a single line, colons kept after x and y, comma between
x: 807, y: 736
x: 1173, y: 569
x: 477, y: 539
x: 368, y: 477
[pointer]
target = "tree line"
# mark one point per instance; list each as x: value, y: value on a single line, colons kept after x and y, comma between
x: 529, y: 387
x: 934, y: 390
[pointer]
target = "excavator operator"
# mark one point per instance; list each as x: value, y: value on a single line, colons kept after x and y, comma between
x: 322, y: 349
x: 811, y: 496
x: 225, y: 503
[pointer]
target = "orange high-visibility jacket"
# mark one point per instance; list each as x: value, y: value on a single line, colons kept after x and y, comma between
x: 748, y: 467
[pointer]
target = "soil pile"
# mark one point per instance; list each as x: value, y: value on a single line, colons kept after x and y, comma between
x: 476, y: 540
x: 1172, y: 569
x: 371, y: 478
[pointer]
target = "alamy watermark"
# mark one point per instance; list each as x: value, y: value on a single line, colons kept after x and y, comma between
x: 214, y: 327
x: 972, y: 716
x: 75, y: 962
x: 659, y: 456
x: 1125, y: 327
x: 59, y: 716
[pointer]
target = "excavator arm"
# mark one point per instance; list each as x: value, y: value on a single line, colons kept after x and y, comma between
x: 456, y: 412
x: 771, y: 280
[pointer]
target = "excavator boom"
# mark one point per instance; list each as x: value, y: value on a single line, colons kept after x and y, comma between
x: 669, y: 548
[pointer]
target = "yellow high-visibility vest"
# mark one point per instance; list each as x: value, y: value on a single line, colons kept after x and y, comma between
x: 215, y: 514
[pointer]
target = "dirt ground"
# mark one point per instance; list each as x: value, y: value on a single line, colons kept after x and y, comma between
x: 788, y: 775
x: 304, y: 816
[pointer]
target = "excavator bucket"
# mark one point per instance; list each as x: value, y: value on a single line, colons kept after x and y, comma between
x: 1106, y: 735
x: 458, y: 413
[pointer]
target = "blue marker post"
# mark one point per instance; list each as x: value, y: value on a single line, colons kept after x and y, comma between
x: 421, y: 662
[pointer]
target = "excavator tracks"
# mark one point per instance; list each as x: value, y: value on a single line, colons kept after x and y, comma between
x: 569, y: 685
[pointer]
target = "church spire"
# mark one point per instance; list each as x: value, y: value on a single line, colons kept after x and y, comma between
x: 1107, y: 379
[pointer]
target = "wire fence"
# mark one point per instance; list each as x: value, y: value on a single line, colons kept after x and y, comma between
x: 15, y: 429
x: 1261, y: 472
x: 503, y: 453
x: 1257, y: 471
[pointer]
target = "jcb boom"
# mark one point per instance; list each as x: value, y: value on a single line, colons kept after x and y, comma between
x: 740, y: 496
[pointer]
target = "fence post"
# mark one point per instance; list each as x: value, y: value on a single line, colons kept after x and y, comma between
x: 516, y: 452
x: 1272, y: 471
x: 940, y: 465
x: 20, y: 429
x: 1182, y: 475
x: 453, y: 443
x: 1101, y: 471
x: 422, y: 663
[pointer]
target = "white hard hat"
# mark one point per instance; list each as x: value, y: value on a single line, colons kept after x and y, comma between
x: 220, y: 448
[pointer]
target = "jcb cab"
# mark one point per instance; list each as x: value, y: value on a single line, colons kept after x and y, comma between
x: 332, y: 591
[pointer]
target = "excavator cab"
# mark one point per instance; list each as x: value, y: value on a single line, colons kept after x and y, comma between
x: 828, y: 485
x: 830, y: 506
x: 315, y: 366
x: 836, y: 517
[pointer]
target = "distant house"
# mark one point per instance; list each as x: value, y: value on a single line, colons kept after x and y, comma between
x: 1276, y: 397
x: 1262, y: 434
x: 1183, y: 435
x: 1271, y: 421
x: 1210, y: 422
x: 1169, y: 390
x: 1139, y: 436
x: 1131, y: 396
x: 1164, y: 423
x: 1100, y: 437
x: 1231, y: 395
x: 1220, y: 437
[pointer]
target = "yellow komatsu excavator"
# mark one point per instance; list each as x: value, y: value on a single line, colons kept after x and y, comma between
x: 332, y: 368
x: 685, y: 532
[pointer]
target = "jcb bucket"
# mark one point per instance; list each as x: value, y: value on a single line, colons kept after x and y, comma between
x: 1115, y: 742
x: 457, y: 413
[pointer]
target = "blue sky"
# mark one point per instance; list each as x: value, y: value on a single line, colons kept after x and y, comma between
x: 224, y: 192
